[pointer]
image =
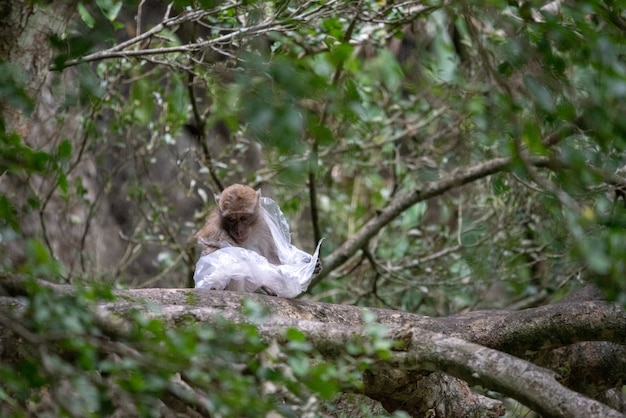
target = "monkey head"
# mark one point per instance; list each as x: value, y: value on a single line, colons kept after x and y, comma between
x: 239, y: 211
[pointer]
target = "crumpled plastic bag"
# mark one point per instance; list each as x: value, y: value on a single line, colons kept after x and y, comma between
x: 292, y: 277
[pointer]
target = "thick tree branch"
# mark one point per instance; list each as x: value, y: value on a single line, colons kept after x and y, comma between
x: 432, y: 351
x: 456, y: 346
x: 533, y: 386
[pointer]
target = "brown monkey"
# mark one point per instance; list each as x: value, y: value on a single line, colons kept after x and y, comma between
x: 237, y: 221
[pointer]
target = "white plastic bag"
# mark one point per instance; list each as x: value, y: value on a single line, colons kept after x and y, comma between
x: 251, y: 271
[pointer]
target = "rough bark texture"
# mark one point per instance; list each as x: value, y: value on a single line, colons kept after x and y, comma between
x: 528, y: 334
x: 24, y: 31
x: 65, y: 225
x: 439, y: 356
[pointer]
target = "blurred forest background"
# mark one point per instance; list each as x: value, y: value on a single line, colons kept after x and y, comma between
x: 481, y: 144
x: 334, y: 109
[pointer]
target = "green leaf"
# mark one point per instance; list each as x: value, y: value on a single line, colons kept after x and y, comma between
x: 40, y: 261
x: 110, y: 8
x: 255, y: 312
x: 322, y: 133
x: 299, y: 364
x: 294, y: 334
x: 8, y: 213
x: 321, y: 380
x: 594, y: 251
x: 301, y: 346
x: 340, y: 53
x: 142, y: 99
x: 566, y: 111
x: 38, y: 252
x: 64, y: 150
x: 506, y: 69
x: 62, y: 181
x: 86, y: 16
x: 385, y: 69
x: 39, y: 161
x: 499, y: 185
x: 531, y: 136
x: 31, y: 371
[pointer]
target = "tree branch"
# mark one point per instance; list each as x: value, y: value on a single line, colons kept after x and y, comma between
x: 455, y: 346
x: 402, y: 202
x: 534, y: 386
x: 426, y: 350
x: 123, y: 50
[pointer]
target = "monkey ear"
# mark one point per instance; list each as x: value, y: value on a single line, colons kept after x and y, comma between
x: 217, y: 198
x: 258, y: 193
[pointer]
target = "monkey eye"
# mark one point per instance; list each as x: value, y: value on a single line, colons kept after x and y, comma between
x: 234, y: 220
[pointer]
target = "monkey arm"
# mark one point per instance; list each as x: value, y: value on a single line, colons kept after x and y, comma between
x: 215, y: 244
x: 208, y: 246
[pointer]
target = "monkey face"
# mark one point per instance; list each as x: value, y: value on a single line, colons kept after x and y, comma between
x: 238, y: 226
x: 238, y: 209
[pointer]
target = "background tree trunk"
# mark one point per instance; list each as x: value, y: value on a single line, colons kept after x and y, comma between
x: 76, y: 234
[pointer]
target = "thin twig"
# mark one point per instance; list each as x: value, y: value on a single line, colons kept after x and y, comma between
x: 139, y: 15
x: 199, y: 133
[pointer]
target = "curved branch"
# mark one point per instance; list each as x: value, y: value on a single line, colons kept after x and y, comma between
x: 188, y: 48
x: 534, y: 386
x: 435, y: 188
x: 120, y: 50
x: 402, y: 202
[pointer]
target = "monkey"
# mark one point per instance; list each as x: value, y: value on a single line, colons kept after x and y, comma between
x: 237, y: 221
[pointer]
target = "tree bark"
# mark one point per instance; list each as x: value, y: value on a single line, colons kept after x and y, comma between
x: 70, y: 226
x: 24, y: 32
x: 438, y: 358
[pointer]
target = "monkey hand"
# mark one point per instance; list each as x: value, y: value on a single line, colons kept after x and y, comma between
x: 318, y: 267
